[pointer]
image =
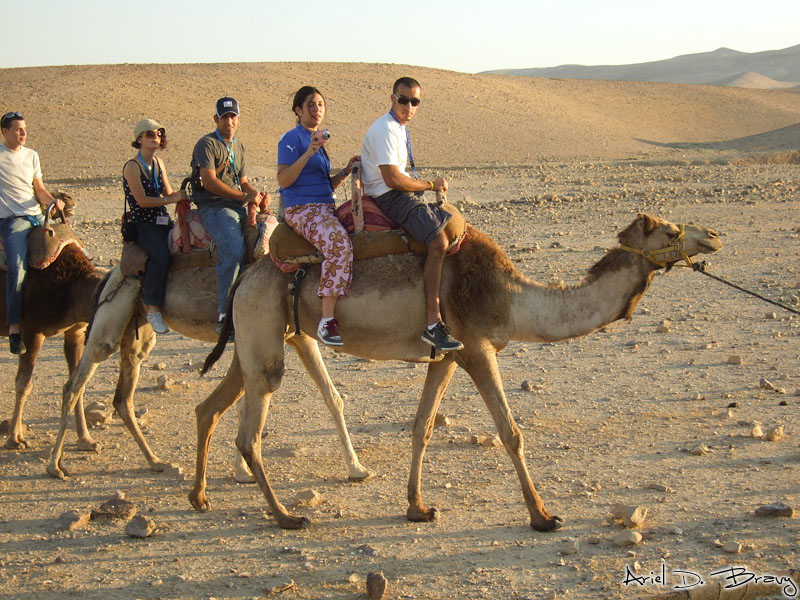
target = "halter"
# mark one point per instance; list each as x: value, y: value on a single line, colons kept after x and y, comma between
x: 678, y: 246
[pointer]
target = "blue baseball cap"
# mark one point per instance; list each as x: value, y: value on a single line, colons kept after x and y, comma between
x: 227, y: 105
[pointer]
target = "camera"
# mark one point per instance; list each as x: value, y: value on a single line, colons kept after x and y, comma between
x: 321, y: 136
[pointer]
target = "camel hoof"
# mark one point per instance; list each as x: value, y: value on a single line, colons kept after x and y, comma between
x: 422, y: 515
x: 553, y: 523
x: 17, y: 444
x: 56, y: 472
x: 199, y: 501
x: 290, y: 522
x: 89, y: 446
x: 361, y: 474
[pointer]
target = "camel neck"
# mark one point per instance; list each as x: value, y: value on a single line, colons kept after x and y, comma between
x: 548, y: 314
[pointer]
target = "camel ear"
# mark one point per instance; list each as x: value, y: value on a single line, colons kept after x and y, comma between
x: 647, y: 222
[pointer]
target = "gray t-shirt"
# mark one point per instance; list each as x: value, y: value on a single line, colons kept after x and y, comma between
x: 210, y: 152
x: 18, y: 169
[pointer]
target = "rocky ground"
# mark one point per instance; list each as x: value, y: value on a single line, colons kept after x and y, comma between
x: 658, y: 413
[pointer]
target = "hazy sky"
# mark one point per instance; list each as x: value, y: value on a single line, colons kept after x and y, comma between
x: 469, y: 36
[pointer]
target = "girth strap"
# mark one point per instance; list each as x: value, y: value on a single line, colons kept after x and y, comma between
x: 294, y: 290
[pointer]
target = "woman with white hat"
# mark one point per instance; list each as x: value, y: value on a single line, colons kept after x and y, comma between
x: 147, y: 192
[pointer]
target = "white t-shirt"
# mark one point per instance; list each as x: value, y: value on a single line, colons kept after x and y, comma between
x: 18, y: 169
x: 384, y: 144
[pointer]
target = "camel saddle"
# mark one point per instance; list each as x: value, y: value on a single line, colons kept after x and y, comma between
x: 45, y: 244
x: 381, y: 237
x: 134, y: 258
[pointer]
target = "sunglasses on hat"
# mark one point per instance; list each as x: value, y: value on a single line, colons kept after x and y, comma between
x: 10, y: 116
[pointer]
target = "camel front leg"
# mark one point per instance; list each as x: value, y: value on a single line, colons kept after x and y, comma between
x: 73, y: 350
x: 308, y: 351
x: 482, y: 368
x: 439, y: 375
x: 22, y: 387
x: 133, y: 350
x: 118, y: 301
x: 208, y: 413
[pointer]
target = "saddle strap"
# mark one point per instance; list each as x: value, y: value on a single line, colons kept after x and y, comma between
x: 294, y: 290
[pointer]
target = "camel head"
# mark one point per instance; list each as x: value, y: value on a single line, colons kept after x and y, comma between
x: 664, y: 243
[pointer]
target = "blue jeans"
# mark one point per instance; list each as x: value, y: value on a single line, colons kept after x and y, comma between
x: 15, y: 232
x: 152, y: 239
x: 224, y: 224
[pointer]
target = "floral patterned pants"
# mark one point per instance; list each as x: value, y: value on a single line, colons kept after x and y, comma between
x: 317, y: 223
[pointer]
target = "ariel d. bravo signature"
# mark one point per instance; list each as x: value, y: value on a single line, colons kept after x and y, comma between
x: 728, y: 577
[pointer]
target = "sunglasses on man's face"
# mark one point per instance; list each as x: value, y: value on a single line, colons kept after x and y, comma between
x: 154, y: 134
x: 403, y: 100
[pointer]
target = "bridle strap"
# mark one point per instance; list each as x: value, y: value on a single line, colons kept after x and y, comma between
x: 678, y: 247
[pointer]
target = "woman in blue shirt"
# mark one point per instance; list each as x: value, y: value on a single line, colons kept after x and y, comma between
x: 147, y: 192
x: 307, y: 190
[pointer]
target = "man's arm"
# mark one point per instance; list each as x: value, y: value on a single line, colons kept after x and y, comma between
x: 219, y: 188
x: 397, y: 180
x: 44, y: 197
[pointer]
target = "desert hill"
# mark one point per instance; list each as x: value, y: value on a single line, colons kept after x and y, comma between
x: 716, y: 67
x: 81, y: 117
x: 756, y: 81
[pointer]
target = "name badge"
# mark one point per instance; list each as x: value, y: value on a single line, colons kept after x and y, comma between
x: 162, y: 220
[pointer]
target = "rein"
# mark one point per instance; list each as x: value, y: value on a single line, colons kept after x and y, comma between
x: 677, y: 247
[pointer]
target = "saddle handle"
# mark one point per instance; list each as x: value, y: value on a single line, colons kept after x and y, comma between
x: 441, y: 198
x: 49, y: 215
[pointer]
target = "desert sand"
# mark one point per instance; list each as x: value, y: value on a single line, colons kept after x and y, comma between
x: 552, y: 170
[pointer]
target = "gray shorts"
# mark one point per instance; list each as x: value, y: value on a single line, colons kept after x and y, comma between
x: 420, y: 220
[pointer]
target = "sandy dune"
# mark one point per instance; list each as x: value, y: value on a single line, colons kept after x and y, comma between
x: 81, y: 117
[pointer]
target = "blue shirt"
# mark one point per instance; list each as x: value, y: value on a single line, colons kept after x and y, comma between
x: 313, y: 185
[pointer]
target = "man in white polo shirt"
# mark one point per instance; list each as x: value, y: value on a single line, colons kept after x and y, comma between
x: 21, y: 194
x: 385, y: 155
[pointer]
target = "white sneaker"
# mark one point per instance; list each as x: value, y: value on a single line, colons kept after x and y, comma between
x: 157, y: 322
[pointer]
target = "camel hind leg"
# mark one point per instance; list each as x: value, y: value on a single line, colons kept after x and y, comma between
x: 482, y: 368
x: 73, y: 350
x: 261, y: 379
x: 209, y: 412
x: 439, y: 375
x: 308, y: 351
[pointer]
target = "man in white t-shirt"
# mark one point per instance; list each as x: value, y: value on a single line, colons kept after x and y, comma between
x: 385, y: 156
x: 22, y: 193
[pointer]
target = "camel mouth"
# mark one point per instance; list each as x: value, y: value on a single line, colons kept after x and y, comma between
x: 709, y: 246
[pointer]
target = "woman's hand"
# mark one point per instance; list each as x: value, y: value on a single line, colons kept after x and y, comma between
x: 351, y: 162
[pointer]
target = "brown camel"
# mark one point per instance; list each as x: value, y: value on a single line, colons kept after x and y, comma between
x: 57, y: 300
x: 485, y: 301
x: 190, y: 308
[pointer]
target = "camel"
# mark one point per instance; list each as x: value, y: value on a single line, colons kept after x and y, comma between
x: 485, y: 301
x: 57, y: 300
x: 190, y: 309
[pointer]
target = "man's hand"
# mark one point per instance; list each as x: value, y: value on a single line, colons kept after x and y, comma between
x: 60, y: 204
x: 440, y: 185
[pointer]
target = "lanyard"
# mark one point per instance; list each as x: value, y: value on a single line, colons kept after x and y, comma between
x: 408, y: 146
x: 152, y: 171
x: 230, y: 157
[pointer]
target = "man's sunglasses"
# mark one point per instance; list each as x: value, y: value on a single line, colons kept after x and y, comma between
x: 403, y: 100
x: 10, y: 116
x: 155, y: 134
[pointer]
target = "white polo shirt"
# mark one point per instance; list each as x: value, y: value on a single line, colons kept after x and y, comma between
x: 384, y: 144
x: 17, y: 171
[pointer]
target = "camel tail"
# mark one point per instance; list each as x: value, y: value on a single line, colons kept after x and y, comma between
x: 227, y: 326
x: 95, y: 302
